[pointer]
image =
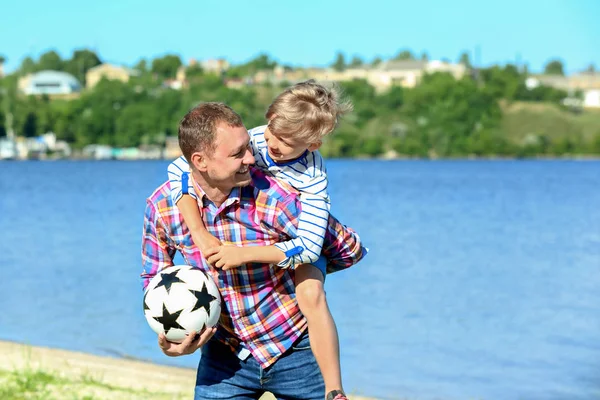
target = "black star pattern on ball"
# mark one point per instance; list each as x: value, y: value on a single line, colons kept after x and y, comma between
x: 203, y: 299
x: 167, y: 279
x: 146, y: 308
x: 169, y: 320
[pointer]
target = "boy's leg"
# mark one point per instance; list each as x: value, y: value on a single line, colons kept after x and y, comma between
x: 222, y: 375
x: 321, y: 327
x: 295, y: 375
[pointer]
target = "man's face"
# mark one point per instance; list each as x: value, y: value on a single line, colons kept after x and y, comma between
x: 227, y: 165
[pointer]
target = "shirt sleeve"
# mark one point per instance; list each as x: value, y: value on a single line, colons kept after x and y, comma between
x: 157, y: 251
x: 313, y: 218
x: 179, y: 179
x: 342, y: 246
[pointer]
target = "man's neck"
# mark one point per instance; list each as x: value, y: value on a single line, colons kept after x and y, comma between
x: 215, y: 194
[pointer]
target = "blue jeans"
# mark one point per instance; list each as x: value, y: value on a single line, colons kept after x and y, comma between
x: 222, y: 375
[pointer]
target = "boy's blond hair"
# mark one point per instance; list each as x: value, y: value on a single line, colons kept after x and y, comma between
x: 306, y: 111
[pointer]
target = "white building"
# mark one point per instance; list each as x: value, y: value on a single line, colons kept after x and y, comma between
x: 591, y: 98
x: 50, y: 83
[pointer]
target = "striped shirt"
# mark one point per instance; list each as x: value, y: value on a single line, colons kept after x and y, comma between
x: 307, y: 174
x: 259, y: 309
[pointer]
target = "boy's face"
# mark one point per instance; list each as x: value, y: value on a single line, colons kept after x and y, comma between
x: 286, y: 149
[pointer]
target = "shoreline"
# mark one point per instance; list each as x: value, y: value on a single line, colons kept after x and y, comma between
x: 57, y: 373
x: 573, y: 157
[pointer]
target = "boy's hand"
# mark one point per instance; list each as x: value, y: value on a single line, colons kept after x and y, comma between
x: 205, y: 242
x: 226, y: 257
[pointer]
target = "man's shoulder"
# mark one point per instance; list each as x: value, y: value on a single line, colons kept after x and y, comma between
x: 161, y: 197
x: 266, y: 185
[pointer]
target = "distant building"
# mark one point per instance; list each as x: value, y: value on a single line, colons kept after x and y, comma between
x: 216, y: 66
x: 51, y: 83
x: 406, y: 73
x: 172, y: 149
x: 588, y: 83
x: 8, y: 149
x: 98, y: 152
x: 108, y: 71
x: 555, y: 81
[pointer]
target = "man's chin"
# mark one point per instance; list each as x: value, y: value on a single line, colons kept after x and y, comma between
x: 243, y: 179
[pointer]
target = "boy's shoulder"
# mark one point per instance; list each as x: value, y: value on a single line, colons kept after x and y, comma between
x: 257, y: 131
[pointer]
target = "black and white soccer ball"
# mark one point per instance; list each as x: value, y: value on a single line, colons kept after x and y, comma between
x: 180, y: 299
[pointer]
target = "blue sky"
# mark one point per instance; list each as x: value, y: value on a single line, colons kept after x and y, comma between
x: 306, y: 32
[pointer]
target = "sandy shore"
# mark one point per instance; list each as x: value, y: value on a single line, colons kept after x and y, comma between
x: 62, y: 374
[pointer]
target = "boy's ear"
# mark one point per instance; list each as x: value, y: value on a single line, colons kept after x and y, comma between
x: 199, y: 161
x: 315, y: 146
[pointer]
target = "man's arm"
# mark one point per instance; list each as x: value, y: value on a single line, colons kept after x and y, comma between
x: 157, y: 253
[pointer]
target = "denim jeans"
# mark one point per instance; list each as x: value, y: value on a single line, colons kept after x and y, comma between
x: 222, y: 375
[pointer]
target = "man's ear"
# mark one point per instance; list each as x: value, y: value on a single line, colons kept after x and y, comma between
x: 199, y: 161
x: 315, y: 146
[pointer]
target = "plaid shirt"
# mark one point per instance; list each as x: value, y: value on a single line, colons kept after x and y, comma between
x: 259, y: 308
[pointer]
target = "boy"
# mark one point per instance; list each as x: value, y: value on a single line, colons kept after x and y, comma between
x: 286, y: 148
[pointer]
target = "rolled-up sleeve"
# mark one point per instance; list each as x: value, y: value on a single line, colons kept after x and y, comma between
x: 342, y: 246
x: 157, y: 253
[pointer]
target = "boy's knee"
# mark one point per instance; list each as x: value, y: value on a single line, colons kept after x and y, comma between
x: 310, y: 295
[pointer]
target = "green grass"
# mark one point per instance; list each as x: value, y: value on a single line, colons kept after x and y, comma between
x: 37, y: 384
x: 27, y: 384
x: 543, y: 119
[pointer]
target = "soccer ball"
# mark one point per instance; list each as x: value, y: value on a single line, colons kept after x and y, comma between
x: 180, y: 299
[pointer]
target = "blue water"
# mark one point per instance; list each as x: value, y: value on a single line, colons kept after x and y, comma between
x: 483, y: 280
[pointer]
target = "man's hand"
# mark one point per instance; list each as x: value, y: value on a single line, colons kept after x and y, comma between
x: 227, y: 257
x: 191, y: 343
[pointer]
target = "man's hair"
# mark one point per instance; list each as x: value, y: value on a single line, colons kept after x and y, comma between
x: 306, y: 111
x: 198, y: 127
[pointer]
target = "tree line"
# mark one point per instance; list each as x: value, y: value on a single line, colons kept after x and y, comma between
x: 440, y: 117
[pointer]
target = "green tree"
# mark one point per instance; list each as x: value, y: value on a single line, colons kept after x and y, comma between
x: 141, y: 66
x: 392, y: 99
x: 376, y: 61
x: 28, y: 66
x: 356, y: 62
x: 503, y: 82
x: 465, y: 60
x: 259, y: 63
x: 50, y: 60
x: 30, y: 126
x: 591, y: 69
x: 449, y: 112
x: 167, y: 66
x: 340, y: 62
x: 81, y: 61
x: 404, y: 55
x: 554, y: 67
x: 194, y: 71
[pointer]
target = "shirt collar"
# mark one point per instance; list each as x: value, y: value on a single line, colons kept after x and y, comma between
x: 203, y: 200
x: 273, y: 163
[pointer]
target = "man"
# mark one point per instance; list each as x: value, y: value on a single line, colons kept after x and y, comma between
x: 261, y: 344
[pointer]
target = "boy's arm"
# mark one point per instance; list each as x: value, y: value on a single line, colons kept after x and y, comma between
x: 305, y: 248
x: 179, y: 179
x: 184, y: 196
x: 313, y: 219
x: 312, y: 226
